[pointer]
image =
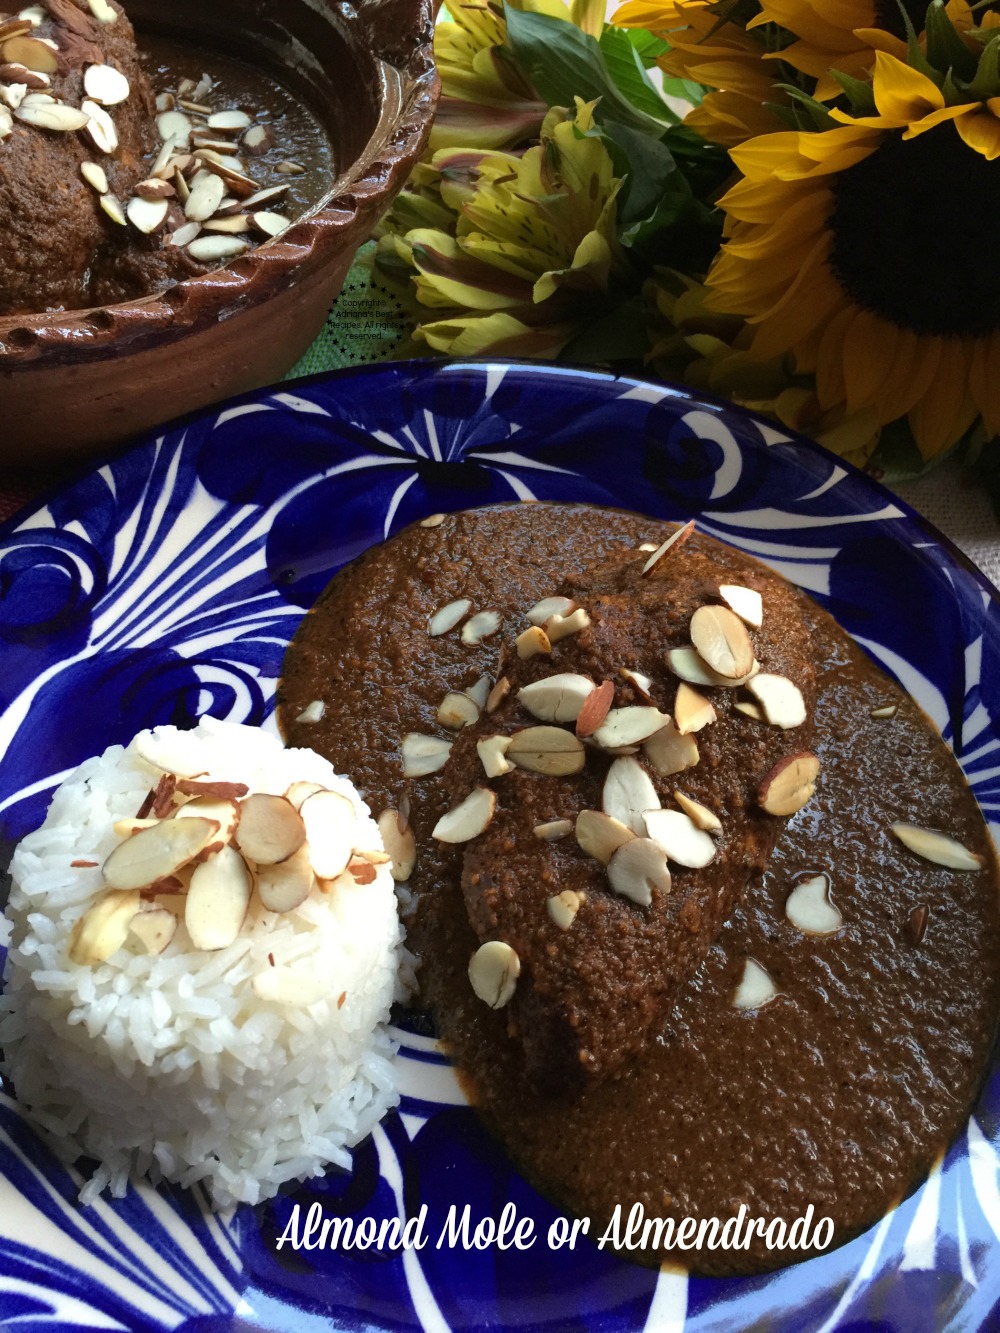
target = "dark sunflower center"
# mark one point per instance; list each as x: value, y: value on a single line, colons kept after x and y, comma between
x: 912, y: 226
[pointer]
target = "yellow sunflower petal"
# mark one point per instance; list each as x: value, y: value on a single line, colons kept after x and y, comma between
x: 902, y: 93
x: 869, y: 349
x: 984, y: 381
x: 939, y: 117
x: 830, y: 358
x: 981, y: 131
x: 946, y: 410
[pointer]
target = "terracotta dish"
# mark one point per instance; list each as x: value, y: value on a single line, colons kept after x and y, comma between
x: 78, y: 381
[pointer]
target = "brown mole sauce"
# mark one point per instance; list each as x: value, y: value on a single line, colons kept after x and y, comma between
x: 842, y: 1091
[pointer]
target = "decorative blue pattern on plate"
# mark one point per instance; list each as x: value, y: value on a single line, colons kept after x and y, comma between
x: 167, y: 583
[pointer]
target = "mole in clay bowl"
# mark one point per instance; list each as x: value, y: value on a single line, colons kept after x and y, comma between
x: 181, y: 199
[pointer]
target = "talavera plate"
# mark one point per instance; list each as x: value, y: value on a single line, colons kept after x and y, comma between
x: 166, y: 585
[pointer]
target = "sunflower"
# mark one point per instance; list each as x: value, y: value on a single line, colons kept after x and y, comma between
x: 860, y: 251
x: 707, y: 48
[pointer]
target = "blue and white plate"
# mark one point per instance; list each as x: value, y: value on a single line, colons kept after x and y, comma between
x: 166, y: 585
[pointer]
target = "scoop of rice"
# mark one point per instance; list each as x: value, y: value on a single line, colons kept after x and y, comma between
x: 169, y: 1064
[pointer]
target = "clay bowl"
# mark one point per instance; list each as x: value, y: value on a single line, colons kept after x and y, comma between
x: 81, y: 381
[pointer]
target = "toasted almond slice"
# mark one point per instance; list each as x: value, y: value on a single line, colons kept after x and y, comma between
x: 285, y: 885
x: 629, y: 726
x: 746, y: 602
x: 102, y: 11
x: 885, y: 711
x: 628, y: 793
x: 95, y: 176
x: 638, y: 867
x: 361, y: 870
x: 561, y: 627
x: 103, y: 928
x: 299, y: 791
x: 32, y: 52
x: 211, y: 249
x: 112, y: 205
x: 217, y: 900
x: 185, y: 234
x: 288, y: 985
x: 756, y: 987
x: 563, y: 907
x: 809, y: 909
x: 468, y: 819
x: 262, y: 197
x: 271, y: 829
x: 790, y: 784
x: 595, y: 709
x: 677, y: 539
x: 432, y: 520
x: 600, y: 835
x: 640, y: 683
x: 692, y: 711
x: 647, y: 547
x: 12, y: 94
x: 235, y: 226
x: 532, y: 642
x: 290, y: 169
x: 205, y: 197
x: 447, y: 617
x: 456, y: 711
x: 483, y: 625
x: 257, y: 140
x: 124, y: 828
x: 331, y: 827
x: 313, y: 712
x: 399, y: 843
x: 50, y: 116
x: 670, y: 752
x: 154, y: 928
x: 100, y: 127
x: 225, y: 811
x: 548, y: 607
x: 699, y: 814
x: 549, y: 750
x: 557, y: 698
x: 780, y: 699
x: 271, y: 224
x: 553, y: 830
x: 174, y: 125
x: 480, y: 692
x: 423, y: 754
x: 147, y: 215
x: 937, y: 847
x: 492, y: 751
x: 493, y: 971
x: 750, y: 710
x: 683, y: 842
x: 165, y: 101
x: 497, y: 695
x: 230, y: 120
x: 105, y: 84
x: 15, y: 27
x: 153, y: 853
x: 722, y: 641
x: 688, y: 664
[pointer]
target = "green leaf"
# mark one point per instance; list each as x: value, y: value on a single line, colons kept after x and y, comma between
x: 647, y: 165
x: 945, y: 49
x: 897, y: 458
x: 816, y: 114
x: 987, y: 80
x: 619, y: 335
x: 629, y: 74
x: 563, y: 62
x: 648, y: 47
x: 914, y: 51
x: 861, y: 95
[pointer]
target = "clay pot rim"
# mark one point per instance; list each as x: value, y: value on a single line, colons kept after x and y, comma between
x: 356, y: 197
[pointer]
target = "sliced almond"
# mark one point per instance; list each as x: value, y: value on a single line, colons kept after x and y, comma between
x: 492, y: 751
x: 780, y: 699
x: 105, y: 84
x: 399, y: 843
x: 456, y: 711
x: 548, y: 750
x: 211, y: 249
x: 423, y: 754
x: 289, y: 985
x: 563, y: 907
x: 532, y: 642
x: 497, y: 695
x: 557, y: 698
x: 124, y: 828
x: 331, y: 828
x: 100, y: 127
x: 102, y: 11
x: 550, y: 606
x: 680, y: 837
x: 493, y: 971
x: 688, y: 664
x: 112, y: 205
x: 154, y: 928
x: 561, y: 627
x: 285, y: 885
x: 205, y: 197
x: 51, y: 116
x: 553, y: 830
x: 33, y: 79
x: 675, y: 539
x: 483, y: 625
x: 600, y: 835
x: 299, y: 791
x: 637, y: 868
x: 271, y: 224
x: 95, y: 176
x: 432, y: 520
x: 628, y: 793
x: 885, y: 711
x: 670, y: 752
x: 257, y: 140
x: 692, y: 710
x: 756, y: 987
x: 31, y: 52
x: 468, y: 819
x: 746, y: 602
x: 790, y: 784
x: 721, y: 640
x: 647, y: 547
x: 699, y: 814
x: 174, y: 125
x: 809, y: 909
x: 231, y: 121
x: 12, y: 95
x: 147, y: 215
x: 361, y: 870
x: 290, y: 169
x: 184, y: 235
x: 640, y: 683
x: 262, y: 197
x: 271, y: 829
x: 15, y: 27
x: 153, y: 853
x: 447, y: 617
x: 225, y: 812
x: 595, y: 709
x: 103, y: 928
x: 217, y: 900
x: 236, y: 226
x: 313, y: 712
x: 480, y: 692
x: 937, y: 847
x: 750, y: 710
x: 629, y: 726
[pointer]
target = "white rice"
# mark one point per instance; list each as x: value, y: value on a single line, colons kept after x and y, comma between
x: 169, y: 1065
